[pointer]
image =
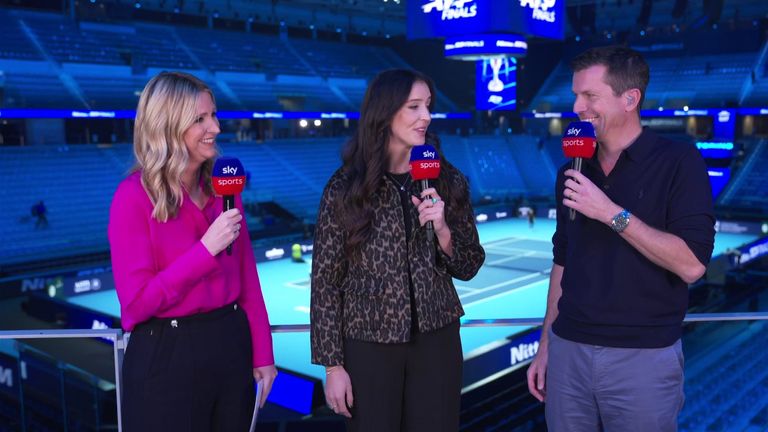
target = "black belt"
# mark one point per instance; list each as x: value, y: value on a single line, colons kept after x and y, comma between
x: 211, y: 315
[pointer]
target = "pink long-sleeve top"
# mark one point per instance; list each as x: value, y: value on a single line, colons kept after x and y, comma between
x: 164, y: 270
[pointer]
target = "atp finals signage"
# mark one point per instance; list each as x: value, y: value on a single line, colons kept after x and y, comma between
x: 542, y: 10
x: 441, y: 18
x: 479, y: 47
x: 455, y: 9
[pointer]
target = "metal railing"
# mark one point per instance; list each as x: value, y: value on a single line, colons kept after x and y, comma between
x: 520, y: 322
x: 118, y: 350
x: 119, y: 338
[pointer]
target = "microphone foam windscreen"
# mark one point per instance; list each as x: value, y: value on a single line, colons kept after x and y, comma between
x: 425, y: 163
x: 228, y: 176
x: 579, y: 140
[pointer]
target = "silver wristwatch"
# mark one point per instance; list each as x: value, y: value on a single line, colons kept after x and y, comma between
x: 620, y: 221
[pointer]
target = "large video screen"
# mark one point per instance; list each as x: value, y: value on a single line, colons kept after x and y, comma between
x: 496, y: 84
x: 441, y: 18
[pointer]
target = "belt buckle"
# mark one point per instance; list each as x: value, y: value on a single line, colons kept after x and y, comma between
x: 174, y: 323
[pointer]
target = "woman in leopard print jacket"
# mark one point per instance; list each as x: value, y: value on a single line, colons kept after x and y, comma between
x: 384, y: 311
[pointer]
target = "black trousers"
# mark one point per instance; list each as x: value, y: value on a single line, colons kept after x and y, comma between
x: 190, y: 374
x: 409, y: 387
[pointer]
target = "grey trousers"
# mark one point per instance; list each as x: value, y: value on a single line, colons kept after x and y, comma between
x: 592, y: 388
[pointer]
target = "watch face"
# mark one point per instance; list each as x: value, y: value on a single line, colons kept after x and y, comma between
x: 620, y: 221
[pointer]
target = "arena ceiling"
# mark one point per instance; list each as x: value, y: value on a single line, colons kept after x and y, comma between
x: 616, y: 15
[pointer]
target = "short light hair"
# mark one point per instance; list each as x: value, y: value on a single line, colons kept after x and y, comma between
x: 625, y: 68
x: 167, y: 108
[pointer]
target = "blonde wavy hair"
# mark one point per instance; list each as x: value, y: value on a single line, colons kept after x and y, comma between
x: 167, y: 108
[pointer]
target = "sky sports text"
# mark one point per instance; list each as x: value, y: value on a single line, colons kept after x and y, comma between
x: 425, y: 165
x: 230, y: 181
x: 230, y: 170
x: 578, y: 142
x: 573, y: 131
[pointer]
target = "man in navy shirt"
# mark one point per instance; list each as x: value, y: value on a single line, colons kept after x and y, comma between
x: 610, y: 355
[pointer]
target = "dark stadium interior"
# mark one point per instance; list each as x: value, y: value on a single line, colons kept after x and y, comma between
x: 71, y: 72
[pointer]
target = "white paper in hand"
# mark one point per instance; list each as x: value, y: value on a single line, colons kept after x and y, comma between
x: 259, y: 387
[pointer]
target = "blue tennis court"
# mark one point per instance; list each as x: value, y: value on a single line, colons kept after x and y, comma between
x: 511, y: 284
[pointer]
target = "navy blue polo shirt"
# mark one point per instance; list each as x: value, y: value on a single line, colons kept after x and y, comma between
x: 612, y: 295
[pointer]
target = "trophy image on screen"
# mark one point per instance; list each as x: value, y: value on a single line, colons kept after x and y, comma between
x: 496, y: 85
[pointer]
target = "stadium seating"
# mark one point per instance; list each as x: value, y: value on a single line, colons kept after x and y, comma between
x: 353, y: 61
x: 107, y: 87
x: 503, y: 404
x: 41, y: 391
x: 711, y: 382
x: 759, y: 93
x: 10, y: 404
x: 37, y: 88
x: 14, y: 44
x: 76, y: 183
x: 105, y: 66
x: 757, y: 86
x: 748, y: 188
x: 706, y: 81
x: 277, y: 172
x: 63, y: 40
x: 553, y: 146
x: 497, y: 172
x: 535, y: 166
x: 52, y: 395
x: 48, y: 60
x: 90, y: 402
x: 242, y: 52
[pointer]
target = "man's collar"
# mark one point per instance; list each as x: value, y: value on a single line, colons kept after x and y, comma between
x: 642, y: 146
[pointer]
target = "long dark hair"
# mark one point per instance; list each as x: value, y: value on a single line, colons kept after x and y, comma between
x: 365, y: 157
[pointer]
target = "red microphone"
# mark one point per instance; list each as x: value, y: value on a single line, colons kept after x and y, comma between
x: 578, y: 143
x: 228, y: 179
x: 425, y: 166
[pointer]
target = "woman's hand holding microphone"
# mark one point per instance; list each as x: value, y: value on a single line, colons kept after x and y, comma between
x: 433, y: 210
x: 223, y: 231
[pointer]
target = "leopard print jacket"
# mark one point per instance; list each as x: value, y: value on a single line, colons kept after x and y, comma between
x: 369, y: 300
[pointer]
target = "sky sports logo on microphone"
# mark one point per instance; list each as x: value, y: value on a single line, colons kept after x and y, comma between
x: 579, y: 140
x: 228, y: 176
x: 230, y: 170
x: 573, y: 131
x: 574, y: 142
x: 425, y: 163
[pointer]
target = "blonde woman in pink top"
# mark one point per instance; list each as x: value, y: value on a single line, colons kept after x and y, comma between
x: 199, y: 329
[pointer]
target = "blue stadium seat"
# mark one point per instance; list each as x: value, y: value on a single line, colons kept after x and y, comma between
x: 110, y: 63
x: 77, y: 182
x: 748, y: 188
x: 707, y: 81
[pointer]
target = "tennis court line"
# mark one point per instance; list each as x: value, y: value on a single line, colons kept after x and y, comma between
x: 501, y: 294
x: 503, y: 241
x: 501, y: 284
x: 298, y: 284
x: 518, y: 250
x: 510, y: 258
